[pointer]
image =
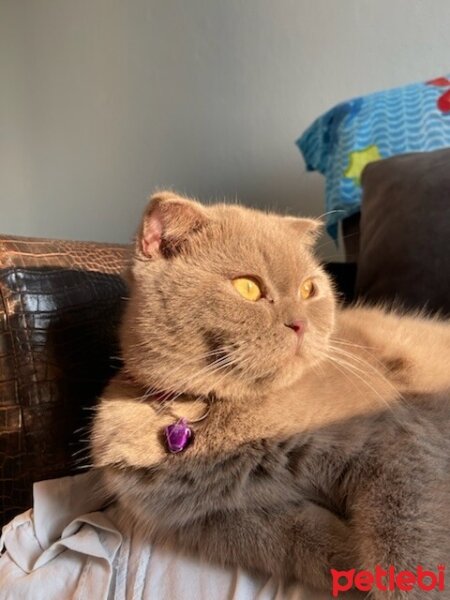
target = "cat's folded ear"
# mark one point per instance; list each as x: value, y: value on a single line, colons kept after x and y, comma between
x: 167, y: 223
x: 308, y: 229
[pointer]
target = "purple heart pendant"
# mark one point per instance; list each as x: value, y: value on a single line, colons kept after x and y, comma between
x: 178, y: 436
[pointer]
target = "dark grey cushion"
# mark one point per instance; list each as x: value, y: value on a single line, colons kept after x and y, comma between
x: 404, y: 248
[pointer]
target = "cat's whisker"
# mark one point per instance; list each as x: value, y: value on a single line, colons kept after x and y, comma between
x: 330, y: 212
x: 347, y: 358
x: 186, y: 363
x: 232, y: 360
x: 88, y: 466
x: 153, y: 389
x: 351, y: 368
x: 352, y: 344
x: 366, y: 364
x: 81, y: 429
x: 80, y: 460
x: 241, y: 376
x: 79, y: 451
x: 227, y: 361
x: 339, y: 363
x: 365, y: 349
x: 206, y: 371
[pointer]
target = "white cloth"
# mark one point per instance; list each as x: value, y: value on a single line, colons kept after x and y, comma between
x: 66, y: 548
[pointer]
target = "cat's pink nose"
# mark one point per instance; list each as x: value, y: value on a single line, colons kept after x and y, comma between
x: 298, y: 326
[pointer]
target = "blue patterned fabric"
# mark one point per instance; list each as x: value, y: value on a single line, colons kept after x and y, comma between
x: 340, y: 143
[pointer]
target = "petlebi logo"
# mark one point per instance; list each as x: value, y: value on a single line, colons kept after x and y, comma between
x: 388, y: 580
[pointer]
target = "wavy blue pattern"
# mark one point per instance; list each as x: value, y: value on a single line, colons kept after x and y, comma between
x: 400, y: 120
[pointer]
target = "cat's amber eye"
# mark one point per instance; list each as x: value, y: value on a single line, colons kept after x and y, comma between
x: 247, y: 288
x: 307, y: 289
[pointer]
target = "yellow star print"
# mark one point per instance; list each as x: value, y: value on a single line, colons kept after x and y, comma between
x: 359, y: 159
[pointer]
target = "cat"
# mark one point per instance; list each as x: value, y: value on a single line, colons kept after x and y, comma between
x: 320, y: 433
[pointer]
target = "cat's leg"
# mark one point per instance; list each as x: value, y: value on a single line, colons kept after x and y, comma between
x: 304, y: 543
x: 411, y: 351
x: 398, y: 521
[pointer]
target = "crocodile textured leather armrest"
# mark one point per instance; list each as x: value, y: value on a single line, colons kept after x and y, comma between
x: 60, y: 303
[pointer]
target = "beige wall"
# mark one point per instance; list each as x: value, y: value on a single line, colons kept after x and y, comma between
x: 103, y: 100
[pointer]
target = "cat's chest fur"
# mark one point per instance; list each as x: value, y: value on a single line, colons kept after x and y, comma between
x: 325, y: 465
x: 273, y: 454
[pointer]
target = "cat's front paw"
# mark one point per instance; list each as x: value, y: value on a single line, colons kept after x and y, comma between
x: 128, y: 433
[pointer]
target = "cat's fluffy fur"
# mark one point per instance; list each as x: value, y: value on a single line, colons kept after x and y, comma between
x: 333, y: 454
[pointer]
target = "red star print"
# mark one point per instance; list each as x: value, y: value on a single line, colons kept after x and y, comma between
x: 443, y: 102
x: 440, y: 81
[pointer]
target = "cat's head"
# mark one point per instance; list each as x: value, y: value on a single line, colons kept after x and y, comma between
x: 224, y: 299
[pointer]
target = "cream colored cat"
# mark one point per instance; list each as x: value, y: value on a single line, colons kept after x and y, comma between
x: 325, y: 443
